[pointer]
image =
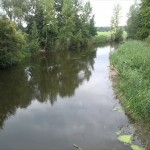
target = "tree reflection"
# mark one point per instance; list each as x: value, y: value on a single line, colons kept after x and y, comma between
x: 60, y: 74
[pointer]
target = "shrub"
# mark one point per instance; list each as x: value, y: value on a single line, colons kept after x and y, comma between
x: 12, y: 43
x: 118, y: 35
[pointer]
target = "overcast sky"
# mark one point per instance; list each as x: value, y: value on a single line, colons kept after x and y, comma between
x: 103, y: 10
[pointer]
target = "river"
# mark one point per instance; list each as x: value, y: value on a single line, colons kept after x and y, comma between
x: 54, y: 102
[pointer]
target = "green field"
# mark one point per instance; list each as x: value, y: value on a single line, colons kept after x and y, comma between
x: 132, y: 62
x: 102, y: 37
x: 105, y: 37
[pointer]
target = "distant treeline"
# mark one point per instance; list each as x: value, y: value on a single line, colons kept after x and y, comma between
x: 107, y: 28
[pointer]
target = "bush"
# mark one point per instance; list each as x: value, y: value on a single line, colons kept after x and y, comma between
x: 12, y: 43
x: 118, y: 35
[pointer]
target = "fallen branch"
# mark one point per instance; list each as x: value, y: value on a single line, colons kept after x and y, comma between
x: 76, y: 146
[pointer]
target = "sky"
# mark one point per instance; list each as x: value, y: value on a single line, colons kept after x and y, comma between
x: 103, y: 10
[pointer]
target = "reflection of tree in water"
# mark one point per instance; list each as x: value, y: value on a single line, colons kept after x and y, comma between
x: 14, y: 92
x: 43, y: 79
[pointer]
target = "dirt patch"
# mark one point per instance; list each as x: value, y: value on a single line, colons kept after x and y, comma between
x: 113, y: 72
x: 114, y: 76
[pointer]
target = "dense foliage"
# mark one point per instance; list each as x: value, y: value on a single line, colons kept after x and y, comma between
x: 12, y: 43
x: 144, y: 29
x: 58, y: 23
x: 133, y: 21
x: 132, y: 63
x: 139, y: 20
x: 47, y: 24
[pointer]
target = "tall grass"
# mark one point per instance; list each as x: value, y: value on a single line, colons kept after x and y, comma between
x: 132, y: 62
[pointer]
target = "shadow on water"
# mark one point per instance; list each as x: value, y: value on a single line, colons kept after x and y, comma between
x: 43, y: 79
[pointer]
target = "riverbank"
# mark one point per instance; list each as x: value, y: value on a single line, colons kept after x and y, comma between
x: 105, y: 37
x: 131, y: 63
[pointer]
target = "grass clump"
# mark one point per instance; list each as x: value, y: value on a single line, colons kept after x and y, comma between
x: 132, y: 62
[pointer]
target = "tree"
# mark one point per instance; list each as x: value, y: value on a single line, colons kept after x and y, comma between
x: 139, y: 20
x: 93, y: 30
x: 11, y: 43
x: 58, y: 8
x: 87, y: 24
x: 50, y: 23
x: 144, y: 26
x: 16, y: 10
x: 43, y: 14
x: 34, y: 46
x: 115, y: 20
x: 133, y: 21
x: 67, y: 23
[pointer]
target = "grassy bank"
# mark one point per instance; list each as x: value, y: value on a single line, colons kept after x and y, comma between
x: 132, y: 63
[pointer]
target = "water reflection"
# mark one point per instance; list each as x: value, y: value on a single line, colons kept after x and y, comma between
x: 43, y: 79
x: 82, y: 115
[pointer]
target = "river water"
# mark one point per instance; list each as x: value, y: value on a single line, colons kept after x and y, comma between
x: 51, y: 103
